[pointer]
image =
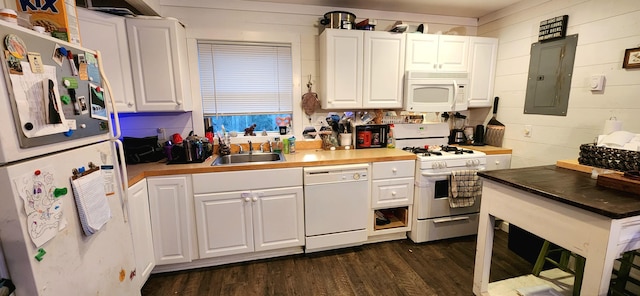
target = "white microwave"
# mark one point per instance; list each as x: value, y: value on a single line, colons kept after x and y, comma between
x: 435, y: 92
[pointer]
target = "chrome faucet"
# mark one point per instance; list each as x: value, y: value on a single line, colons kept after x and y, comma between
x: 250, y: 147
x: 268, y: 145
x: 240, y: 148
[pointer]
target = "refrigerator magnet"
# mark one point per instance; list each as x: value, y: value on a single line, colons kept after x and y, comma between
x: 58, y: 56
x: 13, y: 64
x: 35, y: 61
x: 15, y: 46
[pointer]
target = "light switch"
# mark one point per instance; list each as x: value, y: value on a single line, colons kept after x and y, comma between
x: 596, y: 83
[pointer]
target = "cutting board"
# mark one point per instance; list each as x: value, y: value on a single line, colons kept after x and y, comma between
x: 619, y: 182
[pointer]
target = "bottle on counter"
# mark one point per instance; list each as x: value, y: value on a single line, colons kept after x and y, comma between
x: 292, y: 145
x: 285, y: 146
x: 276, y: 145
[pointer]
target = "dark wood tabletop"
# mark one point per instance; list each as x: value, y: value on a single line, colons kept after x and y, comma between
x: 569, y: 187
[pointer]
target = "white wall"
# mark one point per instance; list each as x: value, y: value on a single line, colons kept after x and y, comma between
x: 605, y: 28
x: 258, y: 21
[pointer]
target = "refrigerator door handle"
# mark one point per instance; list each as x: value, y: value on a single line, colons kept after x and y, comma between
x: 124, y: 179
x: 115, y: 138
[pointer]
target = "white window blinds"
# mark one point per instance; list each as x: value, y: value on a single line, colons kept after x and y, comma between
x: 240, y: 78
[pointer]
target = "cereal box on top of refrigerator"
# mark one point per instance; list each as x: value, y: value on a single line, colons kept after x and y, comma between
x: 58, y: 17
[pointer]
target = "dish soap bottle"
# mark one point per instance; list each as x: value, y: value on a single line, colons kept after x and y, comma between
x: 277, y: 145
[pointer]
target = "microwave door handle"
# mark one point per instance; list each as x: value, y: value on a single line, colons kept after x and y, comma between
x: 455, y: 95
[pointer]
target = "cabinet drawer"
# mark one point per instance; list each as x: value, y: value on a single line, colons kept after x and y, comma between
x: 393, y: 169
x: 392, y: 193
x: 498, y: 162
x: 246, y: 180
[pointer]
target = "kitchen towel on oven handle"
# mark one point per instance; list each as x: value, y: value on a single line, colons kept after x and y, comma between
x: 464, y: 187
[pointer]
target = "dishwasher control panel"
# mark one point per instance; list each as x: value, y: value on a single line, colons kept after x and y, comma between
x: 337, y: 173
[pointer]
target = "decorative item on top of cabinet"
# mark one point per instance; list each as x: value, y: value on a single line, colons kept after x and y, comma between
x: 160, y: 73
x: 483, y: 53
x: 112, y: 43
x: 437, y: 53
x: 361, y: 69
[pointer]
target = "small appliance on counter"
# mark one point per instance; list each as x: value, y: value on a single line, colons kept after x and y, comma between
x: 193, y: 149
x: 371, y: 136
x: 457, y: 135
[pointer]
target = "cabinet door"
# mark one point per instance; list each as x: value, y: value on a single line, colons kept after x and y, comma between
x: 158, y: 52
x: 383, y: 70
x: 341, y: 68
x: 140, y: 223
x: 224, y: 223
x: 108, y: 34
x: 453, y: 53
x: 421, y: 52
x: 278, y: 218
x: 483, y: 53
x: 170, y: 219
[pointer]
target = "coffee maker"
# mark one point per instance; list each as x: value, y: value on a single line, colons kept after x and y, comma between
x: 457, y: 133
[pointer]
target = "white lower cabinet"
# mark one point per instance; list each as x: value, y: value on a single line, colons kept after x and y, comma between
x: 264, y: 213
x: 392, y: 196
x: 171, y: 209
x: 498, y: 162
x: 141, y: 232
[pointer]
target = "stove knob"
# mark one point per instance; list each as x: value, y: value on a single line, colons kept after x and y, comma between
x: 476, y: 161
x: 469, y: 162
x: 443, y: 165
x: 435, y: 165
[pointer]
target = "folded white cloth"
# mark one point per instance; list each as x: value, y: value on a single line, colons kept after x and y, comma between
x: 464, y: 187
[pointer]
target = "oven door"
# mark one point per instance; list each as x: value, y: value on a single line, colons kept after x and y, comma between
x: 432, y: 197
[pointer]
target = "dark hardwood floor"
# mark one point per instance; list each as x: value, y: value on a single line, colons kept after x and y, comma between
x: 389, y: 268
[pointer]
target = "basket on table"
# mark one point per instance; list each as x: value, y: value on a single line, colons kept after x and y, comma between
x: 609, y: 158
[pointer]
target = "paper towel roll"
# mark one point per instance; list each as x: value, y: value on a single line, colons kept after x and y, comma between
x: 611, y: 125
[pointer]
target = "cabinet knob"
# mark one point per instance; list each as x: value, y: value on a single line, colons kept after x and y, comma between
x: 497, y: 162
x: 178, y: 103
x: 393, y: 193
x: 255, y: 198
x: 440, y: 66
x: 130, y: 104
x: 394, y: 170
x: 247, y: 199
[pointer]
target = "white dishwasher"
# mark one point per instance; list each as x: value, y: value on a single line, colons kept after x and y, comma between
x: 336, y: 203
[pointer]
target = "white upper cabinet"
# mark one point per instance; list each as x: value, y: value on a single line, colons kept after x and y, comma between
x: 383, y: 70
x: 483, y: 52
x: 107, y: 33
x: 437, y: 53
x: 158, y: 51
x: 361, y: 69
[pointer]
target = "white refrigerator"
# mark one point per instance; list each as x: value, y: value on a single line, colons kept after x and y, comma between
x: 55, y: 123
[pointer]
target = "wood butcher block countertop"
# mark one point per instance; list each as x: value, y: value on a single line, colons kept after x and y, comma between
x: 570, y: 187
x: 302, y: 158
x: 488, y: 150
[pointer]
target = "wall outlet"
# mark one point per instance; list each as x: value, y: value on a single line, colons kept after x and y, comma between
x: 161, y: 133
x: 527, y: 131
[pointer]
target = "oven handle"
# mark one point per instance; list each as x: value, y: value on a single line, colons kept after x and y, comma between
x: 449, y: 219
x: 455, y: 95
x: 441, y: 174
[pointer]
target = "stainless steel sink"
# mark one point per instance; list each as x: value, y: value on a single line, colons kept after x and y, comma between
x: 255, y: 157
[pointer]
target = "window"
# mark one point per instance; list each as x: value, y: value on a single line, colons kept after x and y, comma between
x: 245, y: 83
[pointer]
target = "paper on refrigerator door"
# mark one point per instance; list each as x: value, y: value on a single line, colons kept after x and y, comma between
x: 43, y: 209
x: 91, y: 201
x: 29, y: 95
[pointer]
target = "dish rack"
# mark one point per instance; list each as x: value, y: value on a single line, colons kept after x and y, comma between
x: 402, y: 119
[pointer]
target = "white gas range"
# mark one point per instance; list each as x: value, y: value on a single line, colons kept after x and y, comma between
x: 433, y: 217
